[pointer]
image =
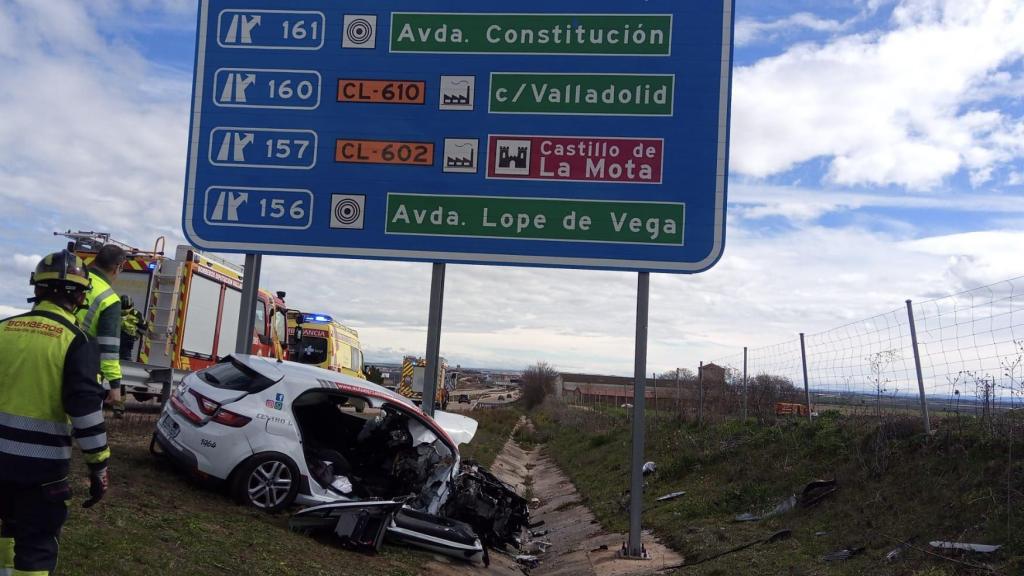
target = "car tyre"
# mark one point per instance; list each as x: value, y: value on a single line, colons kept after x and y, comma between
x: 269, y: 482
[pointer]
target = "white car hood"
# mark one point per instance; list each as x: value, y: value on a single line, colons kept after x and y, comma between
x: 462, y: 429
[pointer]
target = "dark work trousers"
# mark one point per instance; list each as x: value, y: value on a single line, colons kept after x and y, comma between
x: 127, y: 343
x: 33, y: 517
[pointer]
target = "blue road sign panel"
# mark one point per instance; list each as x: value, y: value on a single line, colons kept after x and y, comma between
x: 569, y: 133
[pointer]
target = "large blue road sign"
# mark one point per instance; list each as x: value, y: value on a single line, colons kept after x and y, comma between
x: 567, y: 133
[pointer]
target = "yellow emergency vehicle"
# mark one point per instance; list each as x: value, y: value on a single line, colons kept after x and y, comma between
x: 320, y: 340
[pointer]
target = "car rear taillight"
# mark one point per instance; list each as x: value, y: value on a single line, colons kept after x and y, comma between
x: 219, y: 415
x: 185, y: 410
x: 229, y: 418
x: 206, y: 406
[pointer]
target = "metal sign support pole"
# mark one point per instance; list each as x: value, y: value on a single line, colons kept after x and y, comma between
x: 636, y: 492
x: 433, y: 337
x: 250, y: 289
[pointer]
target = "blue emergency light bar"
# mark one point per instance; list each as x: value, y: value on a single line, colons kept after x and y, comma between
x: 316, y: 319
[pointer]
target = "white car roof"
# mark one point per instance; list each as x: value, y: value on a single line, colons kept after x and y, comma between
x: 297, y: 378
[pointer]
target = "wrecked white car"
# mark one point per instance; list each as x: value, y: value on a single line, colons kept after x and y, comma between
x: 367, y: 461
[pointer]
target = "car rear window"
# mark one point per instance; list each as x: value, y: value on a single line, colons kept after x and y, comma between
x: 230, y: 375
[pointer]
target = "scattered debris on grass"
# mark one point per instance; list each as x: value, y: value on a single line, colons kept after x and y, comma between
x: 842, y: 555
x: 671, y: 496
x: 812, y: 493
x: 779, y: 536
x: 982, y: 548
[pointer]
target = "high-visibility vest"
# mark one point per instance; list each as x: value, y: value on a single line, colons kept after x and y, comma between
x: 130, y: 321
x: 48, y: 393
x: 100, y: 298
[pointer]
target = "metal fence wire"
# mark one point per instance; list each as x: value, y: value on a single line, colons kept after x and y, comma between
x: 970, y: 347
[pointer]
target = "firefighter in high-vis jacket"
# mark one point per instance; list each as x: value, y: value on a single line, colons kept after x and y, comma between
x: 132, y: 324
x: 100, y: 317
x: 48, y: 394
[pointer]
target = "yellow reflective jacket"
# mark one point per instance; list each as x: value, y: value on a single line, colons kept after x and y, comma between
x: 101, y: 320
x: 48, y: 393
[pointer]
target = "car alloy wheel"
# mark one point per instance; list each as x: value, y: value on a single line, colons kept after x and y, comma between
x: 269, y: 484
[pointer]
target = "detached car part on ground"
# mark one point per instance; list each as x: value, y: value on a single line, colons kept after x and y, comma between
x: 367, y: 461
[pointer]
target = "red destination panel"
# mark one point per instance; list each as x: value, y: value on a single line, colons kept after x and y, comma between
x: 576, y: 159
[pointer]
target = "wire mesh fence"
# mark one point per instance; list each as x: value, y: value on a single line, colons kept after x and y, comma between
x: 970, y: 348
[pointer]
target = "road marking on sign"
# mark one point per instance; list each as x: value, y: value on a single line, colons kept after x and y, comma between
x: 384, y: 152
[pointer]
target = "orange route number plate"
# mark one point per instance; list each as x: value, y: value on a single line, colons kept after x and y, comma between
x: 382, y: 91
x: 384, y: 152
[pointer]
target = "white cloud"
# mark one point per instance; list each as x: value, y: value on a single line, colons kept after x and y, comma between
x: 805, y: 204
x: 8, y: 311
x: 749, y: 31
x: 89, y: 125
x: 25, y: 263
x: 875, y: 105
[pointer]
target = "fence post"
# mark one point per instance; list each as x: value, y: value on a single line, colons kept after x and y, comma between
x: 655, y: 376
x: 679, y: 412
x: 807, y: 386
x: 744, y: 382
x: 700, y: 394
x: 917, y: 365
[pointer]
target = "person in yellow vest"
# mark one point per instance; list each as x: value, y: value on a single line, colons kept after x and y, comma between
x: 48, y: 395
x: 132, y: 324
x: 101, y: 320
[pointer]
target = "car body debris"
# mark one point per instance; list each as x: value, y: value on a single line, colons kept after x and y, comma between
x: 812, y: 493
x: 671, y: 496
x: 778, y: 536
x: 981, y: 548
x: 842, y: 555
x: 649, y: 468
x: 527, y: 561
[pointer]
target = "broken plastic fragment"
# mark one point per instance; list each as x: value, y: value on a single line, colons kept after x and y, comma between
x: 342, y: 485
x: 671, y: 496
x: 841, y: 555
x: 650, y: 468
x: 983, y: 548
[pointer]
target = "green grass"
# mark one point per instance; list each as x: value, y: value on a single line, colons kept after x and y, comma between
x: 953, y: 487
x: 156, y: 521
x: 495, y: 428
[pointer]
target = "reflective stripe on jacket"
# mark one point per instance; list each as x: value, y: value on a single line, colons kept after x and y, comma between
x: 48, y: 394
x: 101, y: 319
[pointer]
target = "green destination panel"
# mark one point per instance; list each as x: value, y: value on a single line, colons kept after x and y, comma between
x: 591, y: 94
x: 536, y: 219
x: 625, y: 34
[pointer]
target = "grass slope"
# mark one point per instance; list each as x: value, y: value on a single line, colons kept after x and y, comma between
x: 495, y: 428
x: 893, y: 485
x: 154, y: 520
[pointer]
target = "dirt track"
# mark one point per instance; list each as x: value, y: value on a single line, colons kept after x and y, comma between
x: 578, y: 545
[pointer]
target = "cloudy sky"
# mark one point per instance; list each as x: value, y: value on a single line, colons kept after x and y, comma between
x: 878, y: 155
